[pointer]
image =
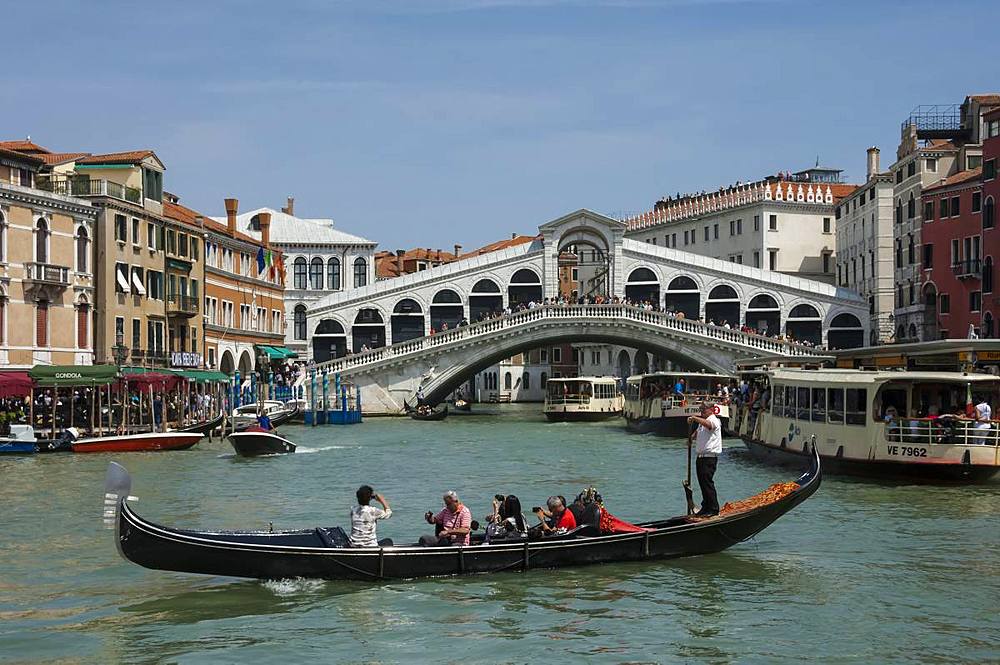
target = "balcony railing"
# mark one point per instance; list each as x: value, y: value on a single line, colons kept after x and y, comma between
x: 47, y: 273
x: 968, y: 269
x: 180, y: 304
x: 90, y: 187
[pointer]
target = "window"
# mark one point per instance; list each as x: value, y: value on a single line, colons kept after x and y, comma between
x: 152, y: 184
x: 121, y: 228
x: 928, y: 256
x: 826, y: 225
x: 732, y: 227
x: 819, y: 405
x: 121, y: 278
x: 977, y: 201
x: 360, y: 272
x: 82, y: 250
x: 772, y: 259
x: 182, y: 244
x: 988, y: 275
x: 944, y: 303
x: 506, y: 381
x: 943, y: 208
x: 899, y: 253
x: 556, y: 354
x: 42, y: 324
x: 715, y: 232
x: 526, y: 381
x: 673, y: 239
x: 333, y: 274
x: 899, y: 176
x: 975, y: 301
x: 911, y: 169
x: 706, y: 234
x: 973, y: 162
x: 910, y: 255
x: 739, y: 227
x: 911, y: 207
x: 955, y: 206
x: 826, y: 261
x: 150, y: 235
x: 82, y: 326
x: 856, y: 406
x: 3, y: 241
x: 899, y: 212
x: 136, y: 334
x: 135, y: 231
x: 194, y: 251
x: 756, y: 222
x: 929, y: 211
x: 930, y: 165
x: 316, y: 273
x: 772, y: 222
x: 989, y: 169
x: 120, y: 330
x: 299, y: 273
x: 756, y: 259
x: 989, y: 210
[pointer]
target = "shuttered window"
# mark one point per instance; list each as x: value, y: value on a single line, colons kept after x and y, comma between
x: 42, y: 324
x: 82, y: 324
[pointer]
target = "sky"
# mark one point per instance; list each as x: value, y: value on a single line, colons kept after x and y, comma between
x: 429, y: 123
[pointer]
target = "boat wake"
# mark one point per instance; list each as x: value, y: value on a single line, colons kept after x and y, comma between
x: 306, y: 449
x: 293, y: 586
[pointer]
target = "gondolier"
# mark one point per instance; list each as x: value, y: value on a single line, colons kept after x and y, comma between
x: 709, y: 447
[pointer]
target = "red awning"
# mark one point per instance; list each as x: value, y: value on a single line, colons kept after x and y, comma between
x: 155, y: 379
x: 15, y: 384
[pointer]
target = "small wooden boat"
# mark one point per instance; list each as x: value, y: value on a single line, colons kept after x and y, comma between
x: 134, y: 443
x: 251, y: 443
x: 322, y: 553
x: 439, y: 414
x: 204, y: 427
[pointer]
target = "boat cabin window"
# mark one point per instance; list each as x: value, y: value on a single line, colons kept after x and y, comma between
x: 789, y: 401
x: 819, y: 405
x: 779, y: 401
x: 803, y: 403
x: 632, y: 390
x: 893, y: 398
x: 835, y: 405
x: 856, y: 406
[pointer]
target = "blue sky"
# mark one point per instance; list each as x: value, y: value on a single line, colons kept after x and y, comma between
x: 434, y: 122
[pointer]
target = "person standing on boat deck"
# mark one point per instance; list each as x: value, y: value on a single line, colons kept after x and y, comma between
x: 454, y: 523
x: 709, y: 438
x: 365, y: 517
x: 984, y: 414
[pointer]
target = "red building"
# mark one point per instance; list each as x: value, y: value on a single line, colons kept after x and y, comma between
x: 957, y: 272
x: 991, y: 196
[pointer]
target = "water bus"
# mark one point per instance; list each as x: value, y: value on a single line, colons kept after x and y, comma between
x: 884, y: 424
x: 653, y: 403
x: 582, y: 398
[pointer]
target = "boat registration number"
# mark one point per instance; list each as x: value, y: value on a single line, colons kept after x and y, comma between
x: 907, y: 451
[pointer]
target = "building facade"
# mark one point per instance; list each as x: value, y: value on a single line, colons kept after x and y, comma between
x: 184, y: 267
x: 865, y: 247
x: 244, y: 294
x: 785, y: 225
x: 991, y: 197
x: 46, y: 267
x: 320, y: 260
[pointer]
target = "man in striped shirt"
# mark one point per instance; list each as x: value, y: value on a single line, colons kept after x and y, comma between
x: 454, y: 523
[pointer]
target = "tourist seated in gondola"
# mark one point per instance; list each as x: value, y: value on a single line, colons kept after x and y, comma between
x: 364, y: 519
x: 558, y: 519
x: 452, y: 525
x: 506, y: 522
x: 586, y: 509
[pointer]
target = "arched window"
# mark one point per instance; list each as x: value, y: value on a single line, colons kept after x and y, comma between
x: 988, y: 275
x: 299, y: 273
x: 989, y: 210
x: 526, y: 381
x: 525, y: 276
x: 506, y: 381
x: 333, y: 274
x: 299, y: 321
x: 911, y: 208
x: 360, y: 272
x: 42, y: 241
x: 316, y: 274
x: 82, y: 253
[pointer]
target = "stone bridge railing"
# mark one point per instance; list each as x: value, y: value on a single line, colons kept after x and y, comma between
x: 753, y: 343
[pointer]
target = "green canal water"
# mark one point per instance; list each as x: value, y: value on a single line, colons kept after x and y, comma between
x: 869, y: 573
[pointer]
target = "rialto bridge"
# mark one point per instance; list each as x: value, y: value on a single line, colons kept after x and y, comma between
x: 394, y: 336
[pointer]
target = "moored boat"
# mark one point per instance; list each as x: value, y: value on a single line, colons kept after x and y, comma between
x: 881, y: 424
x: 131, y: 443
x: 254, y: 442
x: 204, y: 427
x: 582, y: 399
x: 653, y: 403
x: 322, y: 552
x: 20, y: 441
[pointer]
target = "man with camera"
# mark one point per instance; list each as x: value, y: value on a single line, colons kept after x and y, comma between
x: 558, y: 517
x: 709, y: 439
x: 364, y: 518
x: 452, y: 525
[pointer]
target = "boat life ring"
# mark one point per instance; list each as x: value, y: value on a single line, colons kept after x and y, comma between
x: 716, y: 409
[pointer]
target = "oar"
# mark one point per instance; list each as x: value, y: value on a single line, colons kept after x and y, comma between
x: 688, y: 494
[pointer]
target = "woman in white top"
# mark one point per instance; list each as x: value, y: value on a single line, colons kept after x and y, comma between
x: 364, y: 518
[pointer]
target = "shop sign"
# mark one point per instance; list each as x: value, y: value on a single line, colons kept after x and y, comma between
x: 182, y: 359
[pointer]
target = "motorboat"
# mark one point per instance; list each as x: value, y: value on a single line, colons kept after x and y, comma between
x: 255, y: 441
x: 20, y: 441
x: 323, y: 552
x: 130, y: 443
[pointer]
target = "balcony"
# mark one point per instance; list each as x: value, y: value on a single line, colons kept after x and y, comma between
x: 89, y: 187
x: 968, y: 269
x: 178, y: 305
x: 47, y: 274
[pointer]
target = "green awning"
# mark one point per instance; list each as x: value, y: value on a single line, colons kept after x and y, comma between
x: 73, y: 375
x: 285, y: 350
x: 204, y: 375
x: 277, y: 352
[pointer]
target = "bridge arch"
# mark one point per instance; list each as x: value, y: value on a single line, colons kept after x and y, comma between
x: 525, y: 286
x: 684, y: 295
x: 723, y: 305
x: 485, y: 299
x: 804, y: 324
x: 763, y: 314
x: 845, y: 331
x: 643, y: 283
x: 446, y: 308
x: 368, y: 329
x: 329, y: 340
x: 624, y: 364
x: 407, y: 320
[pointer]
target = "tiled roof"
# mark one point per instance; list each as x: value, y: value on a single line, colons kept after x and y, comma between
x: 987, y: 98
x: 24, y: 145
x: 958, y: 178
x: 501, y: 244
x: 187, y: 216
x: 386, y: 262
x: 289, y: 229
x: 940, y: 145
x: 129, y: 157
x: 56, y: 158
x: 22, y: 157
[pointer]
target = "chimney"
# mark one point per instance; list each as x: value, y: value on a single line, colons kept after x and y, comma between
x: 437, y: 256
x: 399, y: 261
x: 513, y: 235
x: 458, y: 250
x: 872, y: 162
x: 232, y: 206
x: 264, y: 219
x: 289, y: 208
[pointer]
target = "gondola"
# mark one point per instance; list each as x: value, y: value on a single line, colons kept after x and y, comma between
x: 204, y: 427
x: 251, y: 443
x: 440, y: 414
x: 462, y: 405
x: 322, y: 552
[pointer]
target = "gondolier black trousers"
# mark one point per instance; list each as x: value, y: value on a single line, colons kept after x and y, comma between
x: 705, y: 467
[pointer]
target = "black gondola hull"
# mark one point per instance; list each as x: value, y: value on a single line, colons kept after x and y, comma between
x: 204, y: 428
x: 308, y: 553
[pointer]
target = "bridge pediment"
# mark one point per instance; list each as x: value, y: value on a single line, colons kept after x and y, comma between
x: 582, y: 217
